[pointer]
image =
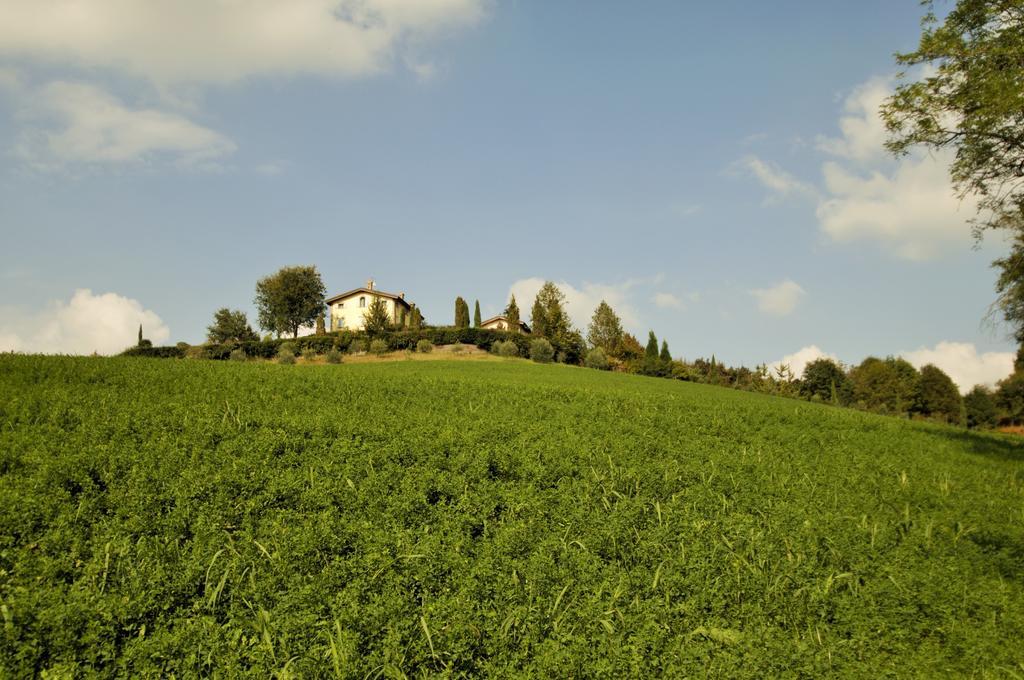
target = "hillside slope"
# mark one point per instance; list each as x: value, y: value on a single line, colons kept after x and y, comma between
x: 489, y: 518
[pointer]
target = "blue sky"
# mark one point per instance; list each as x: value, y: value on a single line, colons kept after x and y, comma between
x: 713, y: 169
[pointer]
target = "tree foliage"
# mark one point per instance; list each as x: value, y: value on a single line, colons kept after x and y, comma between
x: 476, y: 314
x: 549, y: 309
x: 605, y: 330
x: 936, y: 396
x: 968, y: 98
x: 885, y: 385
x: 980, y: 408
x: 651, y: 351
x: 290, y: 299
x: 826, y: 380
x: 230, y: 326
x: 377, y: 319
x: 512, y: 315
x: 461, y: 313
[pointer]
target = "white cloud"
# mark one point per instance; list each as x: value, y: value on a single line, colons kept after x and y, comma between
x: 774, y: 178
x: 863, y: 131
x: 780, y: 299
x: 962, y: 362
x: 106, y: 324
x: 667, y: 301
x: 912, y: 210
x: 79, y: 123
x: 580, y: 303
x: 195, y: 41
x: 906, y: 205
x: 798, y: 360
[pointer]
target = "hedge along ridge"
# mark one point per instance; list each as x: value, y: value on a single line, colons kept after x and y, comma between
x: 340, y: 340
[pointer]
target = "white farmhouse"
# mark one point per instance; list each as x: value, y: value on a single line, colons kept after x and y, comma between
x: 348, y: 310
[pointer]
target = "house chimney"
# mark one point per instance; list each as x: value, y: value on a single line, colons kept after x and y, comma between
x: 402, y: 295
x: 369, y: 284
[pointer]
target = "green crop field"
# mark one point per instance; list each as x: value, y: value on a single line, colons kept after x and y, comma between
x: 501, y: 518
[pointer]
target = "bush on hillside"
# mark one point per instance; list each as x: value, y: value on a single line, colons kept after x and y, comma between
x: 597, y: 359
x: 357, y: 347
x: 505, y: 348
x: 196, y: 352
x: 309, y: 354
x: 286, y: 348
x: 457, y: 347
x: 541, y: 351
x: 333, y: 357
x: 378, y: 347
x: 238, y: 355
x: 424, y: 346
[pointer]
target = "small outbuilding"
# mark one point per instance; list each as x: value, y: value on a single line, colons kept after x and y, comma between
x: 500, y: 323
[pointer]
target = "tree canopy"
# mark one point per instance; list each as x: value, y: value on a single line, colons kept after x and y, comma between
x: 967, y: 97
x: 936, y: 395
x: 461, y: 313
x: 512, y: 315
x: 377, y: 319
x: 886, y: 385
x: 476, y: 314
x: 825, y: 379
x: 290, y: 299
x: 549, y: 307
x: 230, y: 326
x: 605, y: 330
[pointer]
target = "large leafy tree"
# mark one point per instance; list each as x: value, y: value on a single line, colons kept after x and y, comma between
x: 980, y: 407
x: 550, y: 307
x: 605, y: 330
x: 538, y: 321
x: 884, y: 385
x: 825, y: 379
x: 936, y: 395
x: 969, y: 99
x: 512, y: 315
x: 290, y: 299
x: 230, y: 326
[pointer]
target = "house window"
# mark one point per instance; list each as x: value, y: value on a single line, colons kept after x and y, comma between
x: 362, y: 302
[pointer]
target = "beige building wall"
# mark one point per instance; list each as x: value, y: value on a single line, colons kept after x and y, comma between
x: 496, y: 325
x: 350, y: 313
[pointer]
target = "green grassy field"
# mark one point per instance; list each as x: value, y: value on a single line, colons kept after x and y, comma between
x: 503, y: 518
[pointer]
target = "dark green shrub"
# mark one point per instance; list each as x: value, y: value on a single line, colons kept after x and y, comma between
x: 424, y: 346
x: 286, y: 348
x: 309, y: 354
x: 541, y: 351
x: 196, y: 352
x: 597, y: 359
x: 357, y: 347
x: 238, y: 354
x: 378, y: 347
x: 333, y: 357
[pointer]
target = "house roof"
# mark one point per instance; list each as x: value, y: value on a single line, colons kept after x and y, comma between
x: 502, y: 317
x: 378, y: 293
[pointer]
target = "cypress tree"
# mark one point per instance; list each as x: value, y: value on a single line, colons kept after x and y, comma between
x: 651, y: 353
x: 140, y: 334
x: 461, y: 313
x: 665, y: 356
x: 476, y: 315
x: 512, y: 315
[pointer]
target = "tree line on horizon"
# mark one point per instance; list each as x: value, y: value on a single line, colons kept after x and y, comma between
x: 293, y: 298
